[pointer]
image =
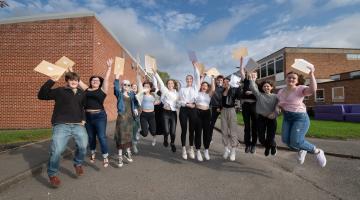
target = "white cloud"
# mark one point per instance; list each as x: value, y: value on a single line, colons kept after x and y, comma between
x: 332, y: 4
x: 175, y: 21
x: 198, y: 1
x: 217, y: 31
x: 341, y: 33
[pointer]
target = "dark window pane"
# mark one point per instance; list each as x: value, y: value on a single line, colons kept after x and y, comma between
x: 263, y: 72
x: 270, y: 68
x: 279, y: 65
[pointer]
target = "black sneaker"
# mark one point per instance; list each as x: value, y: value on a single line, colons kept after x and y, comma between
x: 173, y: 147
x: 247, y: 149
x: 166, y: 143
x: 128, y: 157
x: 267, y: 151
x: 253, y: 149
x: 273, y: 151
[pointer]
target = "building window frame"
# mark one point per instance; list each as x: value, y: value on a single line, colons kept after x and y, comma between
x: 337, y: 99
x: 267, y: 67
x: 317, y: 99
x: 276, y: 60
x: 354, y: 74
x: 335, y: 77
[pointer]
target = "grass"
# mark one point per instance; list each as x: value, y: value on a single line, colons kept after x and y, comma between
x: 19, y: 136
x: 323, y: 129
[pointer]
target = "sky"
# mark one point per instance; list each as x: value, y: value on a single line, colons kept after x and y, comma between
x: 168, y: 29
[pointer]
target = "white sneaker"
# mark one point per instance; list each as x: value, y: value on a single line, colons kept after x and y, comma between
x: 321, y: 159
x: 226, y: 153
x: 154, y: 141
x: 128, y: 156
x: 233, y: 154
x: 120, y: 161
x: 301, y: 156
x: 199, y: 156
x: 206, y: 154
x: 191, y: 152
x: 184, y: 154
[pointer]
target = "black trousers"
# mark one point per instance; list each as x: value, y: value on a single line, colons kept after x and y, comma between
x: 170, y: 120
x: 202, y: 127
x: 250, y: 119
x: 159, y: 119
x: 266, y: 131
x: 214, y: 116
x: 187, y: 114
x: 147, y: 122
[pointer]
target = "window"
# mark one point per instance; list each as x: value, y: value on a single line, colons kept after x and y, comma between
x: 335, y: 77
x: 355, y: 74
x: 338, y: 94
x: 279, y: 64
x: 353, y: 56
x: 319, y: 95
x: 263, y: 70
x: 270, y: 68
x: 258, y: 72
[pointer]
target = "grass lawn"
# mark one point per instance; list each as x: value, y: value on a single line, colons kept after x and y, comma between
x: 17, y: 136
x: 323, y: 129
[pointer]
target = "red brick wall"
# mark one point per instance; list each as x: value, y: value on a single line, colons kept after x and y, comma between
x: 351, y: 91
x: 326, y: 64
x: 24, y: 45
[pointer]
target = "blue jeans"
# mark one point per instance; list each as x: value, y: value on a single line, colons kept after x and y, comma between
x: 60, y: 137
x: 294, y: 128
x: 96, y: 126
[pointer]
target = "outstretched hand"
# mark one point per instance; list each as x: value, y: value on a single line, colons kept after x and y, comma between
x: 109, y: 62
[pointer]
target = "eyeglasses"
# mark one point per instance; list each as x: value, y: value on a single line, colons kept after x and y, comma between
x: 128, y: 85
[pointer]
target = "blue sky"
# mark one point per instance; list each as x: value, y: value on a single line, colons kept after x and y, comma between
x: 213, y: 28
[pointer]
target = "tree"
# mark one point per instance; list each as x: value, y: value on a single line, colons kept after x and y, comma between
x: 3, y: 4
x: 164, y: 76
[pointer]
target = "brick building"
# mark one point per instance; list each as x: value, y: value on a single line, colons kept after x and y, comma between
x: 25, y: 42
x: 337, y: 72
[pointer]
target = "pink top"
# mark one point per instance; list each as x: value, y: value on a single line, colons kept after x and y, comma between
x: 294, y: 101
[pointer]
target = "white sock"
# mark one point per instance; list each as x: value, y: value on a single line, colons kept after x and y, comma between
x: 128, y: 150
x: 120, y: 152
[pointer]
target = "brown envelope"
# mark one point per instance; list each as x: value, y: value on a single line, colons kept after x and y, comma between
x: 200, y: 67
x: 213, y: 72
x: 150, y: 64
x: 240, y: 52
x: 119, y: 66
x: 65, y: 63
x: 50, y: 70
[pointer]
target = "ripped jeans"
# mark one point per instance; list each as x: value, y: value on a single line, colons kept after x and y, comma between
x: 294, y: 128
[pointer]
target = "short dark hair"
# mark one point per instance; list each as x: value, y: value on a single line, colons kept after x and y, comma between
x: 220, y: 77
x: 152, y: 89
x: 72, y: 76
x: 99, y: 77
x: 227, y: 79
x: 266, y: 82
x: 208, y: 84
x: 301, y: 79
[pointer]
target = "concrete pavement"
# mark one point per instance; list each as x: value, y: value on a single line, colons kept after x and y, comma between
x: 157, y: 173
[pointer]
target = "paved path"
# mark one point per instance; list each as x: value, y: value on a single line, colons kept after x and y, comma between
x: 157, y: 173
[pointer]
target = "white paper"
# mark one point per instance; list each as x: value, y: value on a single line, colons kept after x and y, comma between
x: 251, y: 65
x: 150, y: 64
x: 302, y: 66
x: 234, y: 81
x: 192, y: 56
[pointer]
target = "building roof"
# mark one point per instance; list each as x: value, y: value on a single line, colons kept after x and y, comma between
x: 68, y: 15
x: 311, y: 50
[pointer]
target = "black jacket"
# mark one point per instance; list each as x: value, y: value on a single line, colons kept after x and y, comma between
x: 216, y: 98
x: 229, y: 100
x: 69, y: 107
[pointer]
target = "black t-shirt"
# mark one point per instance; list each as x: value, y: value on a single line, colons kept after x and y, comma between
x: 246, y: 87
x: 95, y: 99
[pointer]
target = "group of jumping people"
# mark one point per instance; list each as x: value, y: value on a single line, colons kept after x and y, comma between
x: 152, y: 105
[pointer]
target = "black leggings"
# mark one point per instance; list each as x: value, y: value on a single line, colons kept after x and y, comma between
x: 170, y: 120
x: 214, y: 116
x: 202, y: 126
x: 250, y: 119
x: 266, y: 131
x: 187, y: 114
x: 147, y: 122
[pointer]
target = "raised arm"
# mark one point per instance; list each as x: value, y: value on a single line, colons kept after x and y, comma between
x: 105, y: 85
x: 45, y: 92
x: 253, y: 87
x: 242, y: 70
x: 139, y: 83
x: 163, y: 88
x: 117, y: 90
x: 155, y: 83
x: 197, y: 79
x: 212, y: 91
x: 313, y: 85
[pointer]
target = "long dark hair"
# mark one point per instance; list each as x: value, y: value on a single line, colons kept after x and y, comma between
x: 152, y: 89
x: 99, y: 77
x: 301, y: 79
x: 175, y: 84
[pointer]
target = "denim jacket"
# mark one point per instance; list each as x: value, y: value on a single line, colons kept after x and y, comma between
x: 120, y: 99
